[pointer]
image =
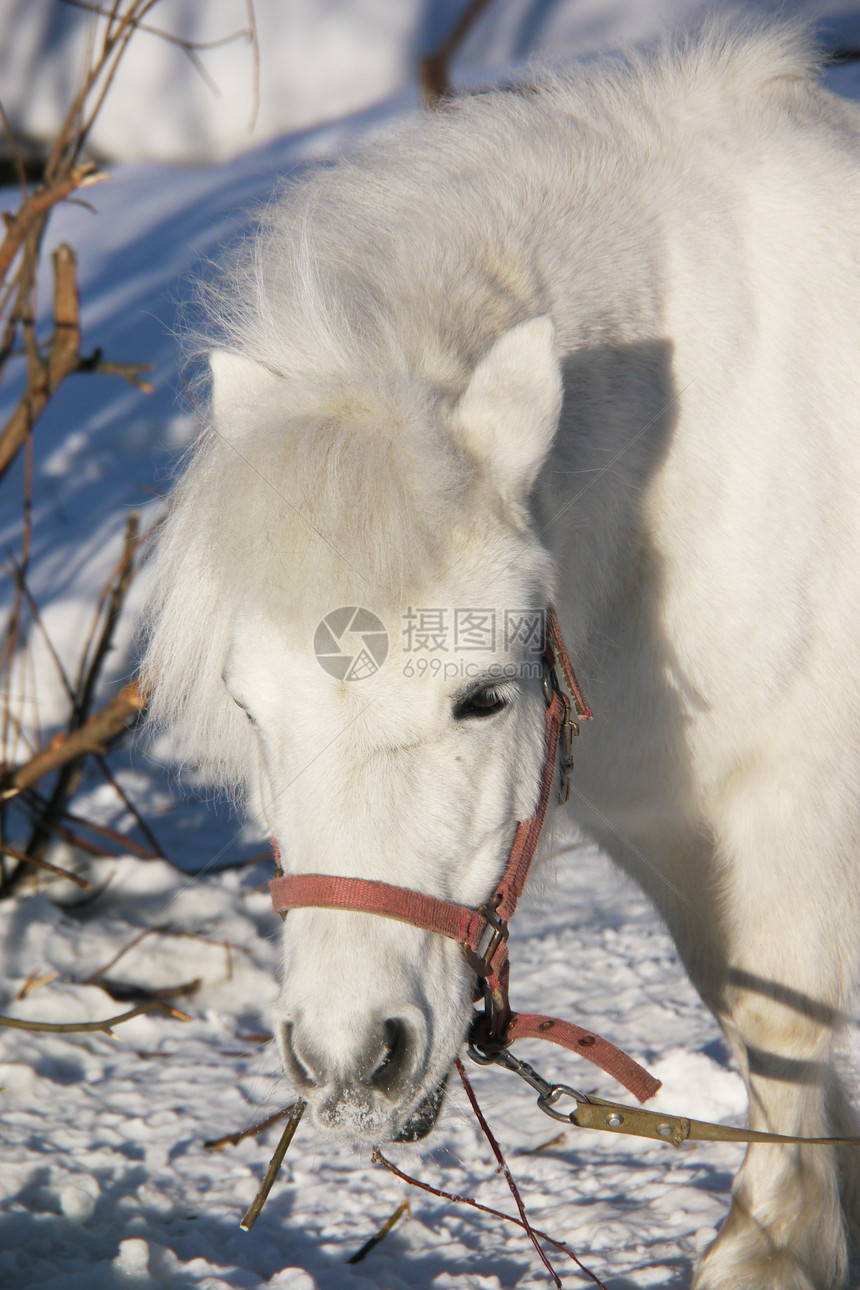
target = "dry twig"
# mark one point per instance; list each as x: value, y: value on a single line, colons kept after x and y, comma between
x: 403, y: 1208
x: 23, y: 858
x: 75, y: 1027
x: 297, y: 1111
x: 34, y: 981
x: 94, y: 736
x: 38, y: 204
x: 233, y: 1139
x: 503, y: 1166
x: 435, y: 67
x: 379, y: 1158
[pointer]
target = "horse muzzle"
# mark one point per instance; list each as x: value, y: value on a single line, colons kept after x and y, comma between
x: 365, y: 1089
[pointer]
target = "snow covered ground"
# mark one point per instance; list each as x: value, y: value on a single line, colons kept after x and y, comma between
x: 105, y: 1181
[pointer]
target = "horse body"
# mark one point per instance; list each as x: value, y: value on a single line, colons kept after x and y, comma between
x: 593, y: 342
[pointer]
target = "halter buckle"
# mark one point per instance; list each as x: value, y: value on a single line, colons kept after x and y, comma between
x: 480, y: 959
x: 569, y: 728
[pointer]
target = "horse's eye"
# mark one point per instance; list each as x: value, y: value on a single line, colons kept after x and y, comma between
x: 480, y: 703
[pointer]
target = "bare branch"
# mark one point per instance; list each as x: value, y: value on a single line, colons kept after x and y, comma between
x: 194, y: 46
x: 131, y: 372
x: 15, y: 152
x: 119, y: 584
x: 50, y: 868
x: 155, y: 851
x: 255, y: 56
x: 503, y: 1166
x: 37, y: 205
x: 63, y: 359
x: 77, y: 1027
x: 95, y: 735
x: 33, y: 606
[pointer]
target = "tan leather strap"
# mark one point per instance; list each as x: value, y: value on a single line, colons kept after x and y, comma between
x: 612, y: 1117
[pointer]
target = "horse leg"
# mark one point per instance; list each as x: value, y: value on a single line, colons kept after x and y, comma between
x: 788, y: 933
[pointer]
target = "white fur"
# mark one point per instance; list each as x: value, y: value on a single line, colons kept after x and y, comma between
x: 690, y: 224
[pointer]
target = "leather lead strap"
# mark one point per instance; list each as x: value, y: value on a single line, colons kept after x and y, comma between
x: 635, y: 1121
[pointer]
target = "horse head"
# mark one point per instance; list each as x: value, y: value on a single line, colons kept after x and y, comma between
x: 347, y: 628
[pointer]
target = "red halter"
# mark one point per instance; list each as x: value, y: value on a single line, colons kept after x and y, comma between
x: 482, y: 933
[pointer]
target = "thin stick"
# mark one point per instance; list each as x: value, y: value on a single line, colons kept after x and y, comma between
x: 74, y: 1027
x: 233, y: 1139
x: 193, y: 46
x: 75, y: 840
x: 255, y: 59
x: 298, y: 1110
x: 45, y: 376
x: 379, y: 1158
x: 403, y: 1208
x: 434, y: 67
x: 20, y: 578
x: 23, y: 858
x: 15, y: 152
x: 93, y: 736
x: 157, y: 851
x: 143, y: 994
x: 503, y: 1166
x: 557, y: 1141
x: 161, y: 929
x: 34, y: 981
x: 32, y: 800
x: 91, y: 667
x: 136, y: 939
x: 38, y: 204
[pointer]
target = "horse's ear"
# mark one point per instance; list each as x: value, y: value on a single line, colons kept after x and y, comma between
x: 508, y: 415
x: 241, y: 388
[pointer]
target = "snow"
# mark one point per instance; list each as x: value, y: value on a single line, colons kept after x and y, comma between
x: 105, y: 1173
x: 106, y: 1181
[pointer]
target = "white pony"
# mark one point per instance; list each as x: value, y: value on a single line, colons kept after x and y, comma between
x: 595, y: 341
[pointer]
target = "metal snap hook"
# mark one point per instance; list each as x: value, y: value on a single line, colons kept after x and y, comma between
x: 547, y: 1101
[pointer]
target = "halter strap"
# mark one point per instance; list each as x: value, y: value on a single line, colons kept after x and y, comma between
x: 482, y: 933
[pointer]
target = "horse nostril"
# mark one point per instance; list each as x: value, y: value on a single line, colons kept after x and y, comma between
x: 299, y: 1071
x: 395, y: 1058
